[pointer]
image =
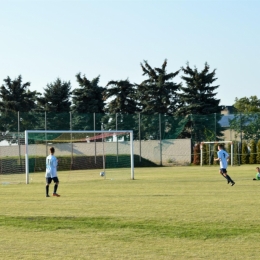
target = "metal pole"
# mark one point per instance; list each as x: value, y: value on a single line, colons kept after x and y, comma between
x: 191, y: 128
x: 215, y: 127
x: 132, y: 155
x: 160, y: 136
x: 201, y: 154
x: 140, y: 145
x: 232, y: 153
x: 26, y: 159
x: 116, y: 141
x: 209, y: 154
x: 46, y: 145
x: 19, y: 147
x: 103, y: 148
x: 94, y: 119
x: 71, y: 141
x: 241, y: 140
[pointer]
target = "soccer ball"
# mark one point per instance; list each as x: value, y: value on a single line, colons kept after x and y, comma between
x: 102, y: 174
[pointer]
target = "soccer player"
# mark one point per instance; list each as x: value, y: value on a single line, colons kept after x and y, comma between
x: 257, y: 176
x: 51, y: 173
x: 223, y: 158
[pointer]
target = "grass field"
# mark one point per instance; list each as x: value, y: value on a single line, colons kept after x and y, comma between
x: 165, y: 213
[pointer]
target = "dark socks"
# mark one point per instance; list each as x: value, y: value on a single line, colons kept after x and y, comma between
x: 229, y: 179
x: 55, y: 188
x: 224, y: 176
x: 47, y: 189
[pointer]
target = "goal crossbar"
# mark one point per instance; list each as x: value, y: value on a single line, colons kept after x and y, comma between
x: 103, y: 134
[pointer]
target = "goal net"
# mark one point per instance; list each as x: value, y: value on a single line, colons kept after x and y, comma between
x: 208, y: 151
x: 108, y: 153
x: 12, y: 166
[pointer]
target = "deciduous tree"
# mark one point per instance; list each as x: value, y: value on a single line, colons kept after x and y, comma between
x: 246, y: 120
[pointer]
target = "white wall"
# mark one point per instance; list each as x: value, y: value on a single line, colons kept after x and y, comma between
x: 175, y: 151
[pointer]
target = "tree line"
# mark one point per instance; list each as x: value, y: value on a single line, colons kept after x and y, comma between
x: 157, y: 94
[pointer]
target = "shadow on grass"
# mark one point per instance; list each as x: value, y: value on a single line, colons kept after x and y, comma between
x: 151, y: 228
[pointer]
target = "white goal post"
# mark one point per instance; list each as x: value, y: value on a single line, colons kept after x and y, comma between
x: 100, y: 135
x: 219, y: 142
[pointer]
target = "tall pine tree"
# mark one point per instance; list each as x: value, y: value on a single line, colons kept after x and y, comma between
x: 15, y: 96
x: 87, y: 100
x: 121, y: 106
x: 56, y: 102
x: 198, y: 102
x: 122, y: 96
x: 158, y: 95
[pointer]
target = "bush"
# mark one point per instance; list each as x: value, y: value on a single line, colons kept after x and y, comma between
x: 196, y: 152
x: 236, y: 154
x: 205, y: 154
x: 245, y: 153
x: 258, y: 153
x: 215, y: 154
x: 252, y: 156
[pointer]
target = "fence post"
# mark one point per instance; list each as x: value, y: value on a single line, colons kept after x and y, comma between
x: 241, y: 140
x: 71, y: 141
x: 18, y: 139
x: 116, y: 142
x: 94, y: 128
x: 160, y: 136
x: 140, y: 145
x: 45, y: 126
x: 215, y: 127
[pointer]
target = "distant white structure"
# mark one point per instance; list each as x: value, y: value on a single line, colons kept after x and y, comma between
x: 6, y: 143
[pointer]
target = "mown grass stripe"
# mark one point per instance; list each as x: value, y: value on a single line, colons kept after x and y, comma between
x: 197, y: 230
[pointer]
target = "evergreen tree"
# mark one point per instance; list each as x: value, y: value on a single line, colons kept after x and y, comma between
x: 236, y: 160
x: 215, y: 154
x: 229, y: 150
x: 15, y: 96
x: 206, y: 151
x: 158, y: 93
x: 196, y: 154
x: 56, y: 97
x: 88, y: 97
x: 87, y: 100
x: 122, y: 105
x: 258, y: 152
x: 122, y: 96
x: 56, y: 102
x: 245, y: 153
x: 252, y: 157
x: 198, y: 99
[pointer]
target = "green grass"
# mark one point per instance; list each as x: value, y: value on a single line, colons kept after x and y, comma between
x: 165, y: 213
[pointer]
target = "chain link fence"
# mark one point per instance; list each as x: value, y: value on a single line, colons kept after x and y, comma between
x: 169, y: 139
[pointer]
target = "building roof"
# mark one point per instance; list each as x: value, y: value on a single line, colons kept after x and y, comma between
x: 224, y: 121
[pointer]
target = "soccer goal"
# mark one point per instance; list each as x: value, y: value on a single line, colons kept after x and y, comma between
x: 12, y: 165
x: 210, y: 151
x: 105, y: 151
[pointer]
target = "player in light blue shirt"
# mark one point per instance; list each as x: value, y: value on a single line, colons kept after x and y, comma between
x: 223, y: 158
x: 51, y: 173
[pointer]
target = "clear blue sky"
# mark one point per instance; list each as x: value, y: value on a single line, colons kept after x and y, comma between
x: 44, y: 40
